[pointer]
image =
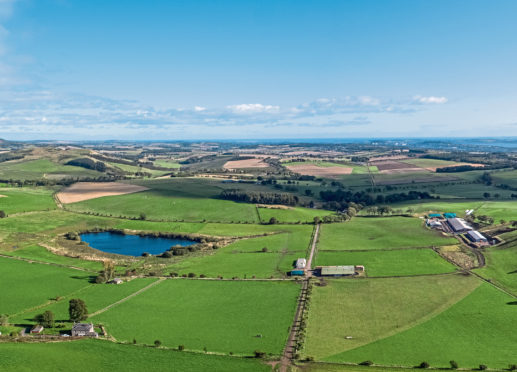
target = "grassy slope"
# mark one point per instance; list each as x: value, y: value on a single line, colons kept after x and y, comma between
x: 26, y: 199
x: 474, y: 331
x: 389, y: 263
x: 379, y: 233
x: 41, y: 168
x: 96, y: 355
x: 221, y: 316
x: 370, y: 309
x: 292, y: 214
x: 157, y: 206
x: 25, y: 285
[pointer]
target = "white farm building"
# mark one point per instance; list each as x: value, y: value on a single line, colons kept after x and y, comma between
x: 476, y: 236
x: 301, y: 263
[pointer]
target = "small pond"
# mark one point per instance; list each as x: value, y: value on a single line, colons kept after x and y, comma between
x: 131, y: 245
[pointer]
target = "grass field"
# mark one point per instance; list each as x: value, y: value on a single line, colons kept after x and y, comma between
x: 167, y: 164
x: 41, y: 168
x: 96, y: 355
x: 389, y: 263
x: 25, y: 285
x: 222, y: 316
x: 474, y: 331
x: 371, y: 309
x: 157, y: 206
x: 379, y: 233
x: 96, y: 297
x: 24, y: 199
x: 292, y: 214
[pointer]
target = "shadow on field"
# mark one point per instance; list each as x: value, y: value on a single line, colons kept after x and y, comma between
x: 512, y: 303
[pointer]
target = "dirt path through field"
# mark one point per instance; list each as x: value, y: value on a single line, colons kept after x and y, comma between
x: 127, y: 298
x: 308, y: 267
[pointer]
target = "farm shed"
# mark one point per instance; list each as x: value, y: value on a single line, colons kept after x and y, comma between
x: 434, y: 224
x: 458, y: 225
x: 297, y: 272
x: 84, y: 329
x: 434, y: 215
x: 37, y: 329
x: 336, y: 270
x: 301, y: 263
x: 449, y: 215
x: 476, y: 236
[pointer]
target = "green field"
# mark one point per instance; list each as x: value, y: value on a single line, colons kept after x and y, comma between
x: 41, y: 168
x: 292, y: 214
x: 372, y: 309
x: 96, y: 355
x: 223, y: 316
x: 167, y: 164
x: 398, y: 262
x: 25, y: 199
x: 379, y: 233
x: 474, y: 331
x: 158, y: 206
x: 25, y: 285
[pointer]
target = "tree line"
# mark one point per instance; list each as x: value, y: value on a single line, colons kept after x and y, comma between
x: 259, y: 197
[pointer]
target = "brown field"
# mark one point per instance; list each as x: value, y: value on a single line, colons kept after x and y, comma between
x: 389, y: 167
x: 433, y: 169
x: 3, y: 196
x: 90, y: 190
x: 247, y: 163
x: 314, y: 170
x: 419, y: 179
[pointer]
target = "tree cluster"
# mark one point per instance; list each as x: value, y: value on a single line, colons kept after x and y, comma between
x: 259, y: 197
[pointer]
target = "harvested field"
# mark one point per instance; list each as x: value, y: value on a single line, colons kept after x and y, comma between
x: 314, y: 170
x: 3, y: 196
x: 90, y: 190
x: 395, y: 167
x: 247, y: 163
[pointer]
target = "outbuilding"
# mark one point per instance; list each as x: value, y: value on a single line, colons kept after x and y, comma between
x: 37, y: 329
x: 336, y: 270
x: 458, y: 225
x: 300, y: 263
x: 116, y: 281
x: 476, y: 236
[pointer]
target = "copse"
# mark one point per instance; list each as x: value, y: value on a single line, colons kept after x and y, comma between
x: 259, y: 197
x: 77, y: 310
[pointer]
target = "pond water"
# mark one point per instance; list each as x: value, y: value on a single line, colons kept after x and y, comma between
x: 131, y: 245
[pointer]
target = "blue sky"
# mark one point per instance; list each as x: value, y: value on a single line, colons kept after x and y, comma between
x: 72, y: 69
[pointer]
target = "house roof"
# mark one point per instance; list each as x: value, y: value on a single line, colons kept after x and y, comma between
x: 37, y: 328
x: 85, y: 327
x: 476, y: 235
x: 458, y: 224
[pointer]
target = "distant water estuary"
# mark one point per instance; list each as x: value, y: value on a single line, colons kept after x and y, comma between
x: 131, y: 245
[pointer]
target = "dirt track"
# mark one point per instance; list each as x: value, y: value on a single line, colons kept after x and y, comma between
x: 90, y: 190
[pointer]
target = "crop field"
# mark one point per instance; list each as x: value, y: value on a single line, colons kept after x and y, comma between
x: 246, y: 163
x: 88, y: 355
x: 379, y: 233
x: 398, y: 262
x: 293, y: 214
x: 473, y: 331
x: 320, y: 171
x: 81, y: 191
x: 198, y: 313
x: 432, y: 164
x: 25, y: 285
x: 24, y: 199
x: 372, y: 309
x: 41, y: 168
x: 159, y: 207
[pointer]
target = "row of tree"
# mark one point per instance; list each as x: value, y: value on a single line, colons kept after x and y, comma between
x: 259, y: 197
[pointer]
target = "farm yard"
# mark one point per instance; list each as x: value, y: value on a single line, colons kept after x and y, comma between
x: 233, y: 300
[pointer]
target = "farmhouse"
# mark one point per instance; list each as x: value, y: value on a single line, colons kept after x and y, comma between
x: 336, y: 270
x: 476, y: 236
x: 458, y: 225
x: 301, y: 263
x: 84, y: 329
x: 37, y: 329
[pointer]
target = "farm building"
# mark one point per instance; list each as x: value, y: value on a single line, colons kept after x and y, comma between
x: 37, y: 329
x: 297, y: 272
x: 300, y: 263
x: 336, y: 270
x: 435, y: 215
x: 476, y: 236
x: 84, y: 329
x: 434, y: 224
x: 116, y: 281
x: 449, y: 215
x: 458, y: 225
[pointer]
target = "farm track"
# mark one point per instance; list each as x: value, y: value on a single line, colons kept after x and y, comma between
x: 127, y: 298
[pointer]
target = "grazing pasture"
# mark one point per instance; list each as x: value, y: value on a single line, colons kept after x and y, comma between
x: 25, y: 285
x: 398, y: 262
x: 363, y: 233
x: 25, y: 199
x: 292, y: 214
x: 223, y: 316
x: 373, y: 309
x: 97, y: 355
x: 41, y: 168
x: 473, y: 331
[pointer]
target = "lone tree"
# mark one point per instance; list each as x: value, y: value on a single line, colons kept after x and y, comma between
x: 453, y: 364
x: 77, y: 310
x: 3, y: 214
x: 46, y: 319
x: 273, y: 221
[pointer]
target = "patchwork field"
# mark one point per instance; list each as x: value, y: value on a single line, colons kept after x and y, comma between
x: 473, y: 331
x: 88, y: 355
x: 372, y: 309
x: 398, y: 262
x: 246, y: 163
x: 223, y: 316
x: 90, y: 190
x: 379, y: 233
x: 25, y: 199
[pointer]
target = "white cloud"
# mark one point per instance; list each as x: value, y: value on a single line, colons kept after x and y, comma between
x: 199, y: 108
x: 253, y: 108
x: 430, y: 99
